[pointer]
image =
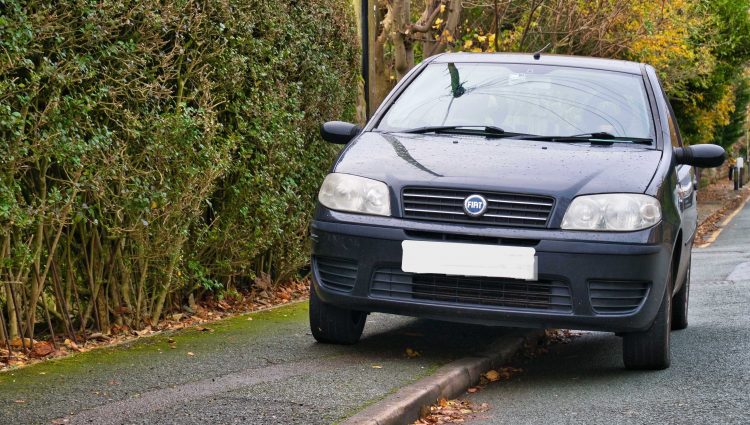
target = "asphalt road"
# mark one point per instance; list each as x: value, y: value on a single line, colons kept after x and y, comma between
x: 261, y: 371
x: 584, y: 382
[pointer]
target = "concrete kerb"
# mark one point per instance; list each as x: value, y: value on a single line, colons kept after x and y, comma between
x: 449, y: 382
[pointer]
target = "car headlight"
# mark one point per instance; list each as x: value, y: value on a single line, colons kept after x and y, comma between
x: 345, y: 192
x: 612, y: 212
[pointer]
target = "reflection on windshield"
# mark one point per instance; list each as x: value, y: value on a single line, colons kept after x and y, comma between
x: 457, y: 89
x: 535, y: 99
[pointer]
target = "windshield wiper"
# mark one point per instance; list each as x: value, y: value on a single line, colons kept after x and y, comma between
x: 483, y: 130
x: 601, y: 138
x: 596, y: 135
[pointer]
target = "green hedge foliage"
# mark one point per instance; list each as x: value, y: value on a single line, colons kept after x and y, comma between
x: 151, y: 149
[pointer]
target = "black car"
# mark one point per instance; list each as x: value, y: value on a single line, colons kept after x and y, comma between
x: 508, y: 189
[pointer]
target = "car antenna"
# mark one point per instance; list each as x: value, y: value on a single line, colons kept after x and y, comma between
x: 538, y: 53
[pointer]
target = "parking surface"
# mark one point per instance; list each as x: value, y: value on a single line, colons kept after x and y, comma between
x: 265, y: 370
x: 709, y: 380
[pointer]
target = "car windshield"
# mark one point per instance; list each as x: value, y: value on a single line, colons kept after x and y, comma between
x: 518, y: 98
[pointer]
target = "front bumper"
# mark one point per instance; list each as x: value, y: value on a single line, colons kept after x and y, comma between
x: 589, y: 272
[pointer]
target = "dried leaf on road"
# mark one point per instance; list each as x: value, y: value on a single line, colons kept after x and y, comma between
x: 492, y: 375
x: 449, y: 412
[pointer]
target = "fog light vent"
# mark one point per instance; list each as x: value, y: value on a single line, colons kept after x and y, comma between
x: 336, y: 273
x: 617, y: 297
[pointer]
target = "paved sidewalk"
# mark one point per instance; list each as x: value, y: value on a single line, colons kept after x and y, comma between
x: 260, y: 371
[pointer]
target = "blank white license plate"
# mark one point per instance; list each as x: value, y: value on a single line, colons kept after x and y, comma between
x: 463, y: 259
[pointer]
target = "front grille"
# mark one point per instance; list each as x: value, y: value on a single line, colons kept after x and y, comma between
x: 546, y: 295
x: 336, y: 273
x: 503, y: 209
x: 617, y: 297
x: 453, y: 237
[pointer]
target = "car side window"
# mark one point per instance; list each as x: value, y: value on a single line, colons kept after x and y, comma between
x: 674, y: 135
x: 674, y: 132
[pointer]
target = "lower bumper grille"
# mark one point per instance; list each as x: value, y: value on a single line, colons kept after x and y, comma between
x: 617, y: 297
x: 337, y: 274
x: 545, y: 295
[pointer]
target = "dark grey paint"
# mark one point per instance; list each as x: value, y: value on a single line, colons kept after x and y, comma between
x: 562, y: 171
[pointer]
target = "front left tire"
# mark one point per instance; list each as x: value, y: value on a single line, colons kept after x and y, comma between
x: 680, y: 303
x: 334, y: 325
x: 650, y: 350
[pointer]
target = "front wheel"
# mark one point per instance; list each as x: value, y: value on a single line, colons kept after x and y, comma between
x: 680, y: 304
x: 334, y: 325
x: 649, y: 350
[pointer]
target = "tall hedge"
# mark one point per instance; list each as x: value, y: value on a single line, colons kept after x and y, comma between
x: 150, y: 149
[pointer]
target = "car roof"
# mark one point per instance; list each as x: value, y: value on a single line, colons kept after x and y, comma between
x: 544, y: 59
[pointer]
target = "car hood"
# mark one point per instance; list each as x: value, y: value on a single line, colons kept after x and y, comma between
x: 563, y: 170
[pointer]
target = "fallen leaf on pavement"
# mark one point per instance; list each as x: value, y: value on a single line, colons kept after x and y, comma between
x: 18, y: 342
x: 412, y: 353
x: 145, y: 331
x: 472, y: 390
x: 98, y: 335
x: 492, y: 375
x: 377, y: 366
x: 449, y: 411
x: 42, y: 349
x: 190, y: 353
x: 70, y: 344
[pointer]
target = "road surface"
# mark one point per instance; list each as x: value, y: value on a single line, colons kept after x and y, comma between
x: 584, y: 382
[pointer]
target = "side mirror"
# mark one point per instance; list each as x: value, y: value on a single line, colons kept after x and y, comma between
x: 339, y: 132
x: 704, y: 156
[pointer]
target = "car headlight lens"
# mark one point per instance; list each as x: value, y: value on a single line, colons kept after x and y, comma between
x: 618, y: 212
x: 345, y: 192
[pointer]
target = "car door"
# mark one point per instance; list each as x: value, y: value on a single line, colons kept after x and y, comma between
x: 686, y: 197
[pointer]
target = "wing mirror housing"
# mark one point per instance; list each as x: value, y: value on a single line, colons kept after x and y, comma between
x: 703, y: 156
x: 339, y: 132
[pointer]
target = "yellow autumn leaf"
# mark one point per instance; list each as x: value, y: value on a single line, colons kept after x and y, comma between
x: 468, y: 44
x: 437, y: 23
x: 481, y: 38
x: 442, y: 8
x: 492, y: 375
